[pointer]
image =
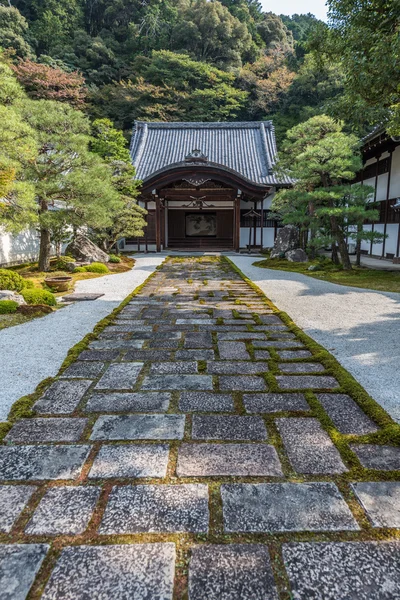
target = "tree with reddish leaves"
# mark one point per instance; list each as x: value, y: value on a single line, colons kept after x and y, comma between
x: 50, y: 83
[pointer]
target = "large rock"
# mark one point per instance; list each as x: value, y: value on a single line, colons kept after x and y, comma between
x: 9, y: 295
x: 287, y: 239
x: 297, y: 255
x: 83, y: 249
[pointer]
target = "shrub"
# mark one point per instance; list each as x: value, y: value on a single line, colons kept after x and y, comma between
x: 96, y: 267
x: 7, y: 307
x: 113, y: 258
x: 29, y: 285
x: 37, y: 296
x: 9, y: 280
x: 80, y: 270
x: 62, y: 263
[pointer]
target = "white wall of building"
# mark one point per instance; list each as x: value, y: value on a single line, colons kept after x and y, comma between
x: 20, y: 248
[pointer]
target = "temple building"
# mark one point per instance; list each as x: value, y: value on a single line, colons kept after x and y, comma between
x: 206, y: 186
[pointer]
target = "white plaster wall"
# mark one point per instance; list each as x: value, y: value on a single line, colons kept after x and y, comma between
x: 381, y: 189
x: 377, y: 248
x: 392, y: 229
x: 395, y: 178
x: 23, y: 247
x: 366, y: 245
x: 268, y: 239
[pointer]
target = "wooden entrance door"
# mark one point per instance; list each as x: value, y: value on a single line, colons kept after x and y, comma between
x: 181, y: 236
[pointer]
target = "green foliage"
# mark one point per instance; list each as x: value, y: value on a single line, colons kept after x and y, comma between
x: 80, y: 270
x: 36, y: 296
x: 10, y: 280
x: 96, y: 267
x: 62, y: 263
x: 14, y: 31
x: 113, y: 258
x: 8, y: 307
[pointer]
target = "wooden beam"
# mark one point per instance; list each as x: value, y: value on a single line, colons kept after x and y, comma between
x: 236, y: 235
x: 387, y: 204
x: 158, y: 224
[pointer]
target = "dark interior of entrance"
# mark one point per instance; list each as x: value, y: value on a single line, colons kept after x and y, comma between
x: 204, y: 230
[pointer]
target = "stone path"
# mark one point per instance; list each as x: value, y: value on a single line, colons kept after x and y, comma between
x: 359, y: 327
x: 181, y: 458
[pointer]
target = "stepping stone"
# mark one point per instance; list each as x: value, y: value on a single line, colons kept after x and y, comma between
x: 277, y: 344
x: 127, y: 328
x: 91, y: 370
x: 194, y: 354
x: 198, y: 340
x: 133, y: 460
x: 116, y: 344
x: 381, y: 501
x: 169, y: 344
x: 231, y: 368
x: 19, y: 565
x: 178, y: 382
x: 242, y: 384
x: 62, y: 397
x: 81, y: 297
x: 293, y: 354
x: 381, y: 458
x: 270, y: 403
x: 156, y: 509
x: 121, y: 376
x: 115, y: 572
x: 309, y: 447
x: 343, y: 570
x: 231, y: 572
x: 197, y: 321
x: 13, y: 499
x: 246, y: 335
x: 278, y: 507
x: 262, y: 355
x: 47, y: 430
x: 301, y: 367
x: 41, y: 462
x: 139, y: 427
x: 270, y: 319
x: 125, y: 402
x: 233, y: 351
x: 146, y: 355
x: 243, y: 460
x: 103, y: 355
x: 174, y: 368
x: 228, y: 427
x: 205, y: 402
x: 305, y: 382
x: 346, y: 415
x: 64, y: 510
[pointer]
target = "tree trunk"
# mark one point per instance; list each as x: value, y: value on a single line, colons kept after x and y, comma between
x: 341, y: 242
x: 335, y: 256
x: 358, y: 246
x: 45, y: 248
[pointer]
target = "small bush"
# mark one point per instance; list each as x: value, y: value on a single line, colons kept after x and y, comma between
x: 80, y: 270
x: 7, y: 307
x: 113, y: 258
x: 62, y: 263
x: 37, y: 296
x: 96, y: 267
x: 29, y: 285
x: 9, y: 280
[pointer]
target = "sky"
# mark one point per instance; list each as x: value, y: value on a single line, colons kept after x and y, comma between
x: 289, y: 7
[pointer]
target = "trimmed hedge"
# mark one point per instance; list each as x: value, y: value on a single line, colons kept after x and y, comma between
x: 37, y: 296
x: 9, y: 280
x: 7, y: 307
x: 113, y: 258
x: 95, y: 267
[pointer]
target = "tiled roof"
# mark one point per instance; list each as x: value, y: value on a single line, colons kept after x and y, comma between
x: 249, y: 148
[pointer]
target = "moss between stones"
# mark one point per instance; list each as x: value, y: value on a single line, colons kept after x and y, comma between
x: 22, y: 408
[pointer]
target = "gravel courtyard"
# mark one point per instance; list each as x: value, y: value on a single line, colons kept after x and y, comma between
x: 197, y: 450
x: 361, y: 328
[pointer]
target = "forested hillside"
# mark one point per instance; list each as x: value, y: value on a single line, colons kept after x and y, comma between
x: 168, y: 60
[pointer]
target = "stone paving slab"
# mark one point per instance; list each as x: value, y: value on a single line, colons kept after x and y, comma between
x: 62, y: 397
x: 141, y: 355
x: 234, y: 367
x: 90, y: 370
x: 381, y: 458
x: 233, y: 351
x: 139, y: 427
x: 174, y: 368
x: 42, y: 462
x: 304, y: 382
x: 130, y: 461
x: 381, y: 501
x: 64, y: 510
x: 103, y: 355
x: 301, y: 367
x: 116, y: 344
x: 270, y: 403
x: 228, y: 427
x: 178, y: 382
x: 278, y: 507
x: 194, y: 354
x: 262, y: 354
x: 259, y: 344
x: 156, y: 509
x: 309, y: 447
x: 293, y: 354
x: 346, y: 415
x: 234, y: 335
x: 343, y: 570
x: 115, y: 572
x: 129, y: 402
x: 122, y: 376
x: 205, y: 402
x: 19, y: 564
x: 245, y: 460
x: 198, y: 340
x: 58, y: 429
x: 242, y: 384
x: 13, y: 500
x: 231, y: 572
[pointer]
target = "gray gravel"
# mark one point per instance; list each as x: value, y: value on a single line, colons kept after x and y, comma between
x: 34, y: 351
x: 359, y: 327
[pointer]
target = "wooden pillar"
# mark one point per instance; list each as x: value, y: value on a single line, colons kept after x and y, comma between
x: 237, y: 223
x: 146, y: 245
x: 387, y: 202
x: 262, y: 224
x: 255, y: 226
x: 375, y: 193
x: 158, y: 223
